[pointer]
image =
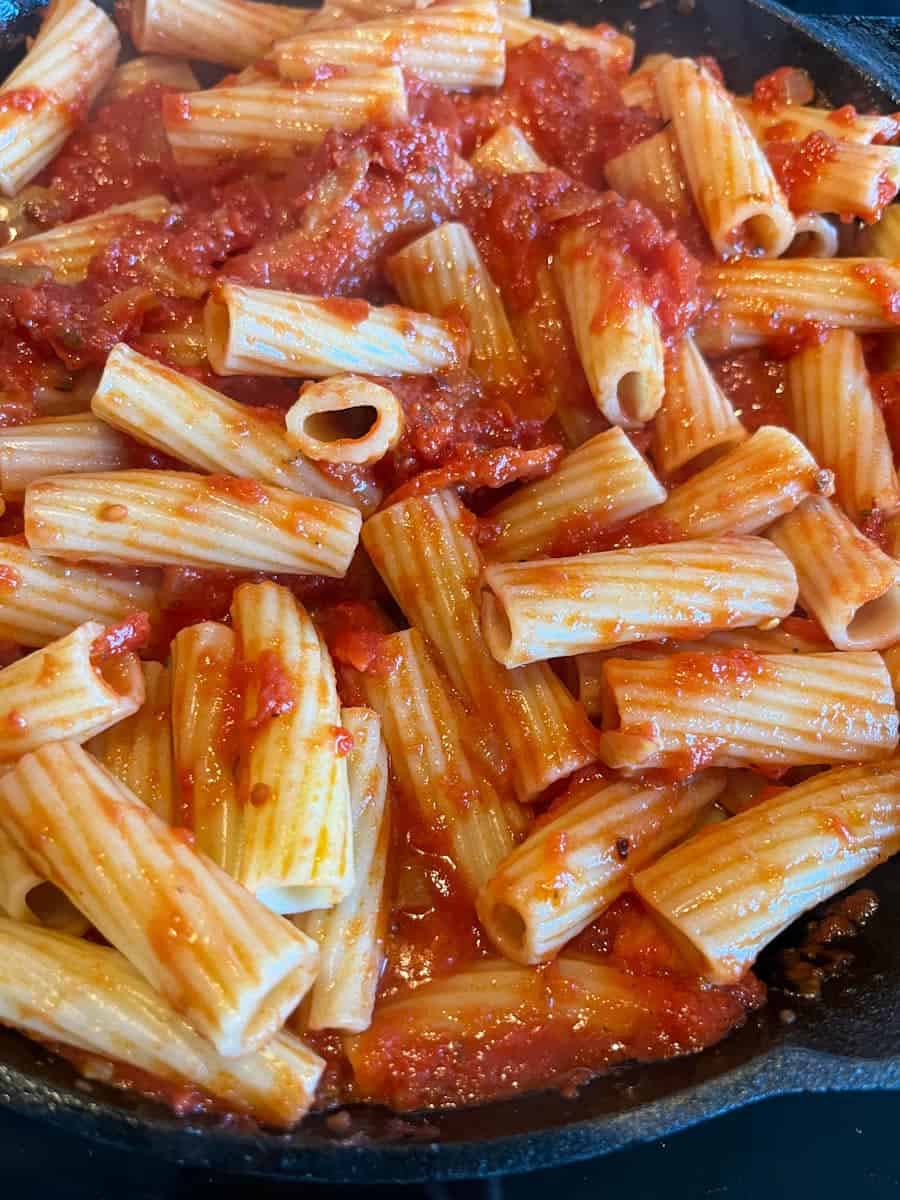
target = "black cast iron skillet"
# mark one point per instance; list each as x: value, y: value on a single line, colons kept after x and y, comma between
x: 848, y: 1040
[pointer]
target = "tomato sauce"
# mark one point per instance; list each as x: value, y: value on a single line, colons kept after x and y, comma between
x: 276, y: 691
x: 756, y: 385
x: 128, y: 636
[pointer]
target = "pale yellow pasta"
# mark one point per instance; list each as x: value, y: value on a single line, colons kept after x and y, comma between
x: 622, y: 354
x: 573, y: 866
x: 748, y: 488
x: 614, y: 48
x: 137, y: 73
x: 441, y: 762
x: 509, y: 151
x: 59, y: 446
x: 832, y: 408
x: 233, y: 32
x: 176, y: 518
x: 351, y: 935
x: 554, y: 607
x: 652, y: 172
x: 815, y: 236
x: 67, y: 64
x: 260, y: 331
x: 778, y: 710
x: 696, y: 422
x: 138, y: 750
x: 730, y: 890
x: 604, y: 481
x: 345, y: 419
x: 882, y: 240
x: 736, y: 193
x: 846, y: 582
x: 851, y: 180
x: 458, y: 46
x: 271, y: 121
x: 639, y: 89
x: 66, y: 250
x: 42, y: 599
x: 205, y: 739
x: 231, y: 968
x: 25, y: 896
x: 60, y: 692
x: 794, y: 122
x: 442, y: 273
x: 758, y: 299
x: 174, y: 413
x: 296, y: 848
x: 425, y: 551
x: 87, y: 997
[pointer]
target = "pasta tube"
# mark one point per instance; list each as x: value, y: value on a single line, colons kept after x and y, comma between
x: 508, y: 151
x: 48, y: 93
x: 138, y: 750
x: 428, y: 557
x: 181, y: 417
x: 59, y: 446
x: 747, y: 489
x: 231, y: 968
x: 561, y: 606
x: 619, y: 344
x: 736, y: 193
x: 263, y: 332
x: 831, y: 407
x: 25, y: 896
x: 137, y: 73
x: 189, y: 520
x: 604, y: 481
x: 41, y: 599
x: 652, y: 171
x: 734, y: 887
x: 456, y: 45
x: 232, y: 32
x: 205, y: 739
x: 346, y: 419
x: 614, y: 48
x: 87, y: 998
x: 696, y: 422
x: 580, y: 859
x: 794, y: 122
x: 62, y: 692
x: 439, y: 770
x: 351, y: 936
x: 744, y: 709
x: 296, y: 847
x: 846, y: 582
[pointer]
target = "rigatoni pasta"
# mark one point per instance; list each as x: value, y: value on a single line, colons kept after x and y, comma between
x: 346, y: 419
x: 234, y: 32
x: 59, y: 446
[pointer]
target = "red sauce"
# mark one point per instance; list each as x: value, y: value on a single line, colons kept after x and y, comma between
x: 351, y: 312
x: 247, y: 491
x: 10, y: 579
x: 276, y: 692
x: 357, y: 634
x: 756, y: 386
x: 343, y: 741
x: 737, y: 670
x: 782, y: 87
x: 588, y: 533
x: 882, y: 287
x: 22, y: 100
x: 183, y: 1098
x: 129, y: 635
x: 483, y: 469
x: 799, y: 166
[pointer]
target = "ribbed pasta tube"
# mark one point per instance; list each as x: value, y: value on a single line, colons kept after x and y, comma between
x: 730, y: 890
x: 736, y: 193
x: 748, y: 488
x: 743, y: 709
x: 189, y: 520
x: 882, y: 240
x: 345, y: 419
x: 458, y: 46
x: 696, y: 421
x: 850, y: 179
x: 88, y: 998
x: 759, y: 299
x: 435, y: 747
x: 441, y: 273
x: 296, y: 849
x: 604, y: 481
x: 205, y: 697
x: 619, y: 345
x: 25, y: 896
x: 270, y: 121
x: 219, y: 957
x: 232, y: 32
x: 652, y: 172
x: 580, y: 859
x: 138, y: 750
x: 66, y: 250
x: 137, y: 73
x: 815, y: 236
x: 561, y: 606
x: 508, y: 151
x: 351, y: 936
x: 59, y: 446
x: 846, y: 582
x: 66, y: 67
x: 639, y: 89
x: 60, y: 692
x: 259, y: 331
x: 794, y: 122
x: 181, y: 417
x: 427, y: 555
x: 831, y: 407
x: 41, y: 599
x: 615, y: 48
